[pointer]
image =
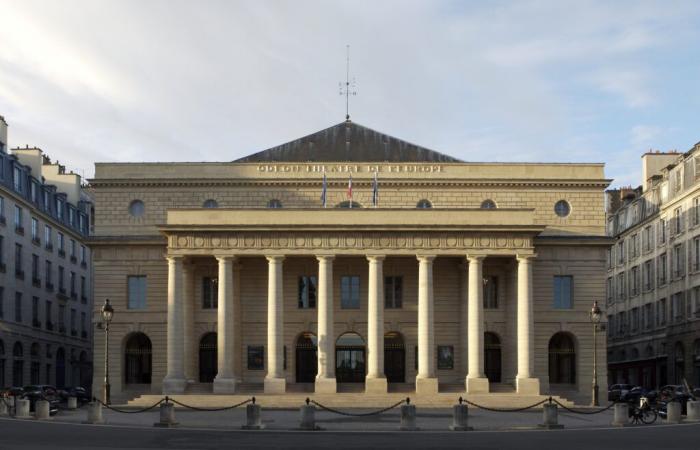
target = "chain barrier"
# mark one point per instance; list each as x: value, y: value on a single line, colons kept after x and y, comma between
x: 597, y: 411
x: 464, y: 400
x: 196, y: 408
x: 124, y: 411
x: 372, y: 413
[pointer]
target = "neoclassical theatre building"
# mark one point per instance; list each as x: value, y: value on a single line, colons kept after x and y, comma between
x: 233, y: 277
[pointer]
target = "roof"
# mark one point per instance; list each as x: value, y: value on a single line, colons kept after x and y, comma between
x: 347, y: 141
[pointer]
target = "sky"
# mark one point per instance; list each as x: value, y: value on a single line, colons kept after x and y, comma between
x: 537, y: 81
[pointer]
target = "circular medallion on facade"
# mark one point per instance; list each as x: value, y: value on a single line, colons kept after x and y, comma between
x: 435, y: 242
x: 266, y: 242
x: 367, y: 241
x: 384, y: 241
x: 232, y: 241
x: 452, y: 242
x: 249, y: 241
x: 501, y: 242
x: 417, y: 241
x: 517, y: 242
x: 299, y: 242
x: 216, y: 242
x: 333, y: 242
x: 199, y: 242
x: 182, y: 241
x: 316, y: 242
x: 350, y: 241
x: 282, y: 241
x: 401, y: 241
x: 468, y: 242
x: 484, y: 241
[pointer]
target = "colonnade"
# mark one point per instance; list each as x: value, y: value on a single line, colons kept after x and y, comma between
x: 426, y: 379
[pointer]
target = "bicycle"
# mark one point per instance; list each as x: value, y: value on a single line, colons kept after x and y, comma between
x: 643, y: 413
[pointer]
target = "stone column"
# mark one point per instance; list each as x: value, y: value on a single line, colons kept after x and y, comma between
x: 190, y: 341
x: 174, y: 381
x: 526, y: 382
x: 426, y: 380
x: 325, y: 380
x: 463, y: 317
x: 225, y: 382
x: 476, y: 381
x: 375, y: 382
x: 275, y: 382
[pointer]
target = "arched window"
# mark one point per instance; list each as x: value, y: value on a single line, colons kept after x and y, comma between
x: 635, y: 354
x: 350, y: 358
x: 346, y: 204
x: 274, y: 203
x: 208, y: 358
x: 492, y: 357
x: 18, y: 364
x: 137, y: 367
x: 424, y: 204
x: 137, y: 208
x: 562, y: 208
x: 394, y: 358
x: 649, y: 352
x: 488, y: 204
x: 562, y: 359
x: 211, y: 203
x: 306, y: 357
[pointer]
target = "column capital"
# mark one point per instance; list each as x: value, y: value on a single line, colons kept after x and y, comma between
x: 175, y: 258
x: 225, y: 258
x: 275, y: 258
x: 325, y: 257
x: 475, y: 258
x: 525, y: 257
x: 376, y: 258
x: 427, y: 258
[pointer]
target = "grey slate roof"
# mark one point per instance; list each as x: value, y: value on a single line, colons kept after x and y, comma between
x: 347, y: 141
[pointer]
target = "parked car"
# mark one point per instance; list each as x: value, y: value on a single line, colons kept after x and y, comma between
x: 38, y: 392
x: 676, y: 392
x: 11, y: 392
x: 617, y: 391
x: 634, y: 394
x: 78, y: 392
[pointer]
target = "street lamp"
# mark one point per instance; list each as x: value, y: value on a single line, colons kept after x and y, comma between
x: 107, y: 313
x: 596, y: 315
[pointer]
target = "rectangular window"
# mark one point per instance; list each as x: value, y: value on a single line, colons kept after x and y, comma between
x: 17, y: 179
x: 445, y: 357
x: 48, y: 242
x: 634, y: 281
x: 35, y: 230
x: 696, y: 211
x: 256, y: 357
x: 621, y: 252
x: 61, y: 318
x: 307, y: 292
x: 18, y: 219
x: 35, y: 269
x: 137, y: 292
x: 2, y: 302
x: 563, y: 292
x: 83, y: 289
x: 83, y: 328
x: 677, y: 220
x: 648, y: 275
x: 490, y: 292
x: 633, y: 245
x: 648, y: 239
x: 49, y: 323
x: 33, y: 186
x: 59, y: 208
x: 662, y: 231
x: 662, y: 269
x: 661, y: 313
x: 61, y: 281
x: 350, y: 292
x: 73, y: 292
x: 696, y: 254
x: 393, y: 292
x: 83, y: 255
x: 609, y: 289
x: 2, y: 253
x: 49, y: 280
x: 634, y: 319
x: 35, y: 311
x: 73, y: 325
x: 18, y: 307
x: 73, y: 255
x: 61, y: 244
x: 71, y: 216
x: 45, y: 195
x: 677, y: 261
x: 18, y: 260
x: 677, y: 306
x: 648, y: 320
x: 620, y: 286
x: 210, y: 293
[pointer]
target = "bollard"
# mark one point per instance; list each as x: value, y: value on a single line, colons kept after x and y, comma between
x: 41, y: 410
x: 673, y: 412
x: 4, y: 409
x: 94, y: 413
x: 253, y: 420
x: 621, y: 416
x: 22, y: 409
x: 408, y: 416
x: 693, y: 411
x: 72, y: 403
x: 167, y: 415
x: 460, y: 417
x: 550, y: 417
x: 308, y: 417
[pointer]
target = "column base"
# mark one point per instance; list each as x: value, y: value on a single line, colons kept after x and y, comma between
x: 478, y: 385
x: 375, y: 385
x: 275, y: 385
x: 325, y: 386
x: 527, y: 386
x: 174, y: 385
x: 426, y: 386
x: 224, y: 385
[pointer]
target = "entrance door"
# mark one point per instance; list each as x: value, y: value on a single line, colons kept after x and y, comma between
x: 350, y: 359
x: 208, y: 366
x: 306, y: 358
x: 492, y: 357
x: 394, y: 358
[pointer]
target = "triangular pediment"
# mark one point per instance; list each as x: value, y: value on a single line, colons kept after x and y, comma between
x: 347, y: 141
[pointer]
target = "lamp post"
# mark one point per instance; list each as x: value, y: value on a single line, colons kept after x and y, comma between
x: 107, y: 313
x: 596, y: 315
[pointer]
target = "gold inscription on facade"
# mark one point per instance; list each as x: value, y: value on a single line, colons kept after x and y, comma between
x: 350, y: 168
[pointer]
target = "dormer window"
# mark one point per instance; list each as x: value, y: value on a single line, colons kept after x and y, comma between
x: 17, y: 179
x: 424, y: 204
x: 211, y: 203
x: 488, y: 204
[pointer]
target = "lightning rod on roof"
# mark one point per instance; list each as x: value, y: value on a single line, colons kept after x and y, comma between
x: 350, y: 87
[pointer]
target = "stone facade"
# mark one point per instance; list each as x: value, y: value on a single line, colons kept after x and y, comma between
x: 45, y: 272
x: 463, y: 268
x: 653, y: 285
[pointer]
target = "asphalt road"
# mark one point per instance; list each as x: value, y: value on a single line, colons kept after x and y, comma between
x: 29, y: 435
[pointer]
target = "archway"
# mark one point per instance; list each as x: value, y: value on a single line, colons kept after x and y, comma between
x: 350, y: 358
x: 208, y: 366
x: 678, y: 363
x: 18, y: 364
x: 394, y: 358
x: 306, y: 358
x: 492, y: 357
x: 562, y: 359
x: 60, y: 368
x: 137, y: 359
